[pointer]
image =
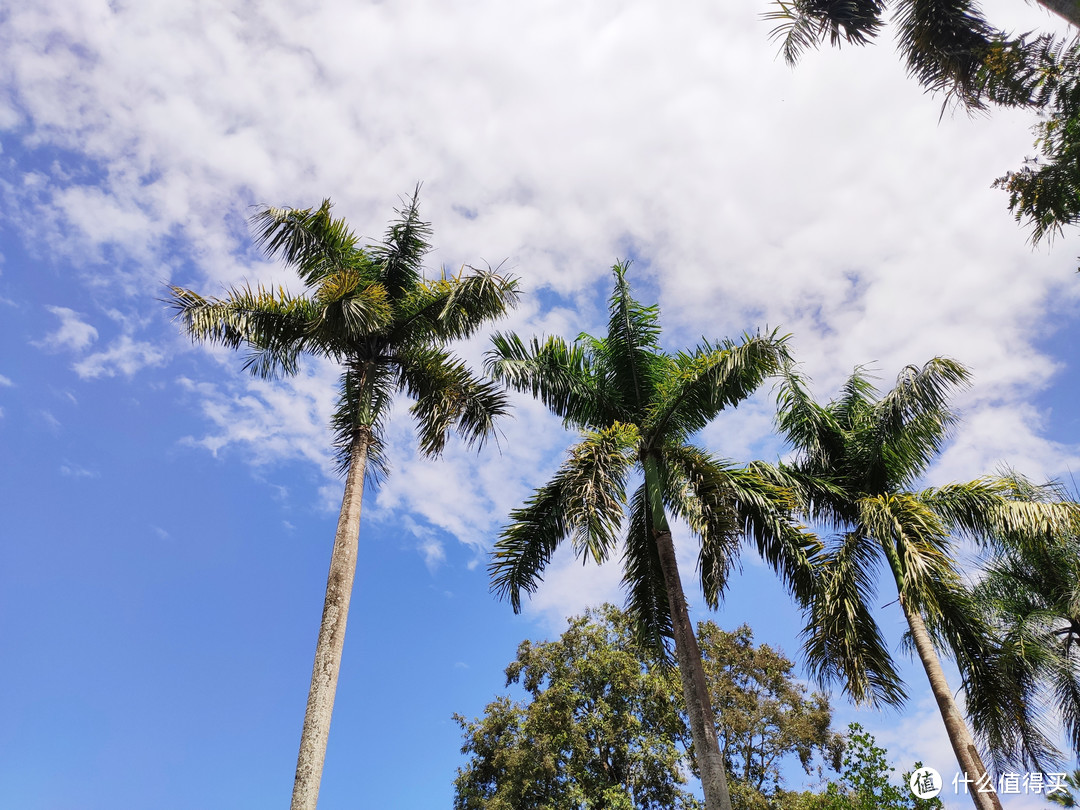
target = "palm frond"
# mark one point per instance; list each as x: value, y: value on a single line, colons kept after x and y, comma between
x: 584, y: 501
x: 399, y: 259
x: 714, y: 377
x: 273, y: 325
x: 842, y: 641
x: 643, y: 579
x: 309, y: 240
x: 365, y: 392
x: 448, y: 396
x: 453, y: 308
x: 804, y: 24
x: 912, y: 421
x: 557, y: 373
x: 625, y: 356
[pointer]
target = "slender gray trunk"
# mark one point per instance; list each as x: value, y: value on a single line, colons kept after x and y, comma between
x: 698, y: 706
x: 963, y: 745
x: 324, y: 674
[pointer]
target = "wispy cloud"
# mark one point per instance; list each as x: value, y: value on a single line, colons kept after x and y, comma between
x: 124, y: 356
x: 72, y: 470
x: 73, y: 334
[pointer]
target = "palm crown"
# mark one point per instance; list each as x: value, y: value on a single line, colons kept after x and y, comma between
x: 857, y: 462
x: 371, y: 311
x: 637, y: 408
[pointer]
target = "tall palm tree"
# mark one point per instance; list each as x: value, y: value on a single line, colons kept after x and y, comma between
x: 371, y: 311
x: 1031, y: 593
x: 637, y: 408
x: 857, y: 461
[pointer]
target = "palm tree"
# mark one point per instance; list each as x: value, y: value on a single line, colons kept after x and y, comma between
x: 1031, y: 595
x: 637, y: 408
x: 856, y: 462
x: 371, y: 311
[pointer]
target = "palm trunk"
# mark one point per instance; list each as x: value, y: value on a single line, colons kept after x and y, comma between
x: 698, y: 707
x: 324, y: 674
x: 1068, y: 10
x: 962, y: 743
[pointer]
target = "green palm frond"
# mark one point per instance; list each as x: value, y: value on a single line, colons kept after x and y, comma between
x: 643, y: 579
x: 912, y: 421
x: 448, y: 396
x: 557, y: 373
x: 399, y: 258
x: 308, y: 240
x: 842, y: 641
x: 454, y: 307
x: 365, y: 392
x: 627, y: 355
x: 805, y: 24
x: 714, y: 377
x: 583, y: 502
x: 273, y: 325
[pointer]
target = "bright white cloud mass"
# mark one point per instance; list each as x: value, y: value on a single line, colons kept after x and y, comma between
x: 551, y: 137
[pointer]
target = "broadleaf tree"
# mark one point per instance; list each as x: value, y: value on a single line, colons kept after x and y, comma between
x: 637, y: 409
x: 372, y: 311
x: 601, y: 724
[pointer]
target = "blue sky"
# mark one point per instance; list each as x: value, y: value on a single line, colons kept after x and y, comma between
x: 168, y: 520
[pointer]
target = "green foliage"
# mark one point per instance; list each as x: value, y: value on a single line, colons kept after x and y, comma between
x: 599, y: 730
x: 636, y: 408
x: 950, y: 47
x: 1070, y: 796
x: 602, y: 726
x: 1031, y: 597
x: 865, y: 783
x: 371, y: 310
x: 764, y: 715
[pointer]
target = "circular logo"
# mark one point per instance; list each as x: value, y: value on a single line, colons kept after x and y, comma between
x: 925, y: 783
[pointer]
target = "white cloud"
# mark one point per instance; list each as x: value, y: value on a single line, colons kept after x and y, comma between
x: 72, y: 470
x: 828, y: 200
x: 73, y: 334
x: 124, y: 356
x: 5, y: 382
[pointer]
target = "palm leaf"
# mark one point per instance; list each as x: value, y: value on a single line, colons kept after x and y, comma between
x: 308, y: 240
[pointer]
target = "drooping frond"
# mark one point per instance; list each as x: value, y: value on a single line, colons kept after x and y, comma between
x: 273, y: 325
x: 453, y: 308
x: 399, y: 259
x: 557, y: 373
x: 448, y: 396
x: 365, y: 392
x: 805, y: 24
x: 842, y: 641
x: 583, y: 502
x: 643, y: 579
x: 308, y: 240
x: 714, y: 377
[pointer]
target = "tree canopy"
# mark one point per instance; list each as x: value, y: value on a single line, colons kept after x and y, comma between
x: 602, y: 723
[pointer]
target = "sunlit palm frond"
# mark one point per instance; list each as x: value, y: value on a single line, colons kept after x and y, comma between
x: 625, y: 356
x: 454, y: 307
x: 399, y: 258
x: 583, y: 502
x: 714, y: 377
x: 273, y: 325
x: 309, y: 240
